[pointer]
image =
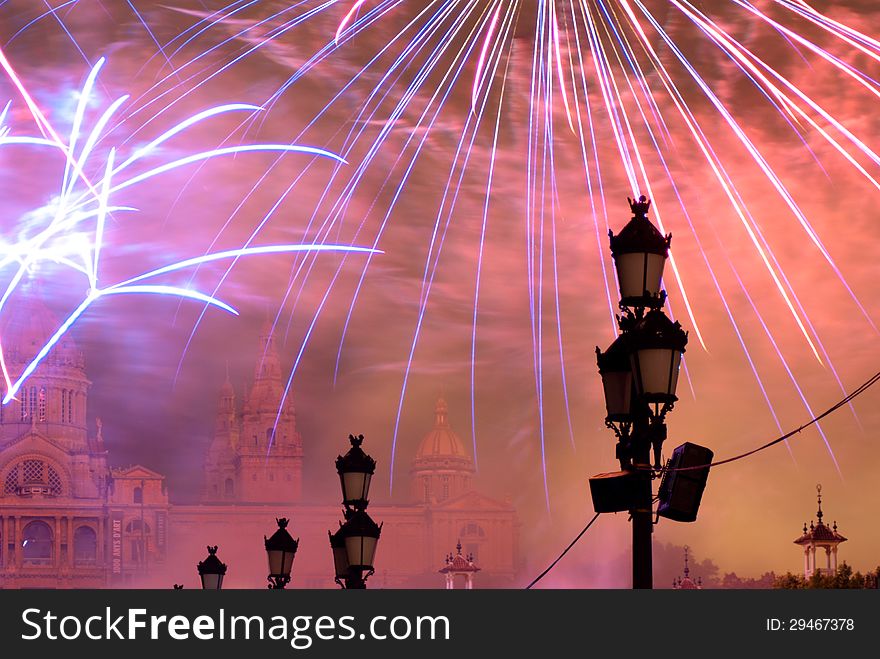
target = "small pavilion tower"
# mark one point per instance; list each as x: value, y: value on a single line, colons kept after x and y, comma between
x: 687, y: 583
x: 820, y: 536
x: 459, y: 566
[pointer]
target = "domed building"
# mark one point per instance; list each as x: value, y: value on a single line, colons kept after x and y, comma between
x: 69, y: 519
x: 442, y: 468
x: 66, y: 518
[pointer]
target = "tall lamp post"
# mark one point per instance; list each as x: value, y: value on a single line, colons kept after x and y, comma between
x: 639, y: 376
x: 354, y: 543
x: 280, y: 550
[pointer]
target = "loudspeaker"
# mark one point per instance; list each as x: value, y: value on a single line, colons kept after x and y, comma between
x: 681, y: 491
x: 617, y: 491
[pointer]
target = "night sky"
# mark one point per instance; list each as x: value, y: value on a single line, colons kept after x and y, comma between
x: 157, y: 397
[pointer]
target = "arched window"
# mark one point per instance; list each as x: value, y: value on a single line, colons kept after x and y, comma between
x: 37, y: 543
x: 270, y: 435
x: 32, y: 478
x: 85, y: 546
x: 138, y: 495
x: 134, y: 526
x: 41, y: 404
x: 22, y: 404
x: 10, y: 486
x: 32, y: 404
x: 445, y: 481
x: 230, y: 487
x: 472, y: 530
x: 472, y: 537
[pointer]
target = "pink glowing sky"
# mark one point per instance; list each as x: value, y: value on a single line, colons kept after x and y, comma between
x: 752, y: 510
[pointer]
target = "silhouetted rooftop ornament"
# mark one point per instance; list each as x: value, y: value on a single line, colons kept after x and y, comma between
x: 458, y: 563
x: 687, y: 583
x: 819, y: 533
x: 639, y: 234
x: 641, y: 207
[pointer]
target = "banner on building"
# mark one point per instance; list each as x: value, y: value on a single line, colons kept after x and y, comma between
x: 116, y: 553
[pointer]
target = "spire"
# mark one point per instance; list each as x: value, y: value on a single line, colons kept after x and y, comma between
x: 268, y: 366
x: 819, y: 497
x: 687, y: 570
x: 227, y: 395
x: 441, y: 414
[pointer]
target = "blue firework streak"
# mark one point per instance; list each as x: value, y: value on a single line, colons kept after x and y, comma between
x: 70, y: 230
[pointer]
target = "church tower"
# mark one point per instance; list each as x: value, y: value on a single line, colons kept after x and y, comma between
x: 442, y: 468
x: 220, y: 461
x: 268, y: 455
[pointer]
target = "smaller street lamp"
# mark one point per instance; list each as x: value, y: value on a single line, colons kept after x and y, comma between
x: 211, y: 571
x: 355, y: 471
x: 280, y: 549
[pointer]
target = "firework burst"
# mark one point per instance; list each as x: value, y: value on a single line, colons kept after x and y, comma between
x: 642, y: 92
x: 69, y: 231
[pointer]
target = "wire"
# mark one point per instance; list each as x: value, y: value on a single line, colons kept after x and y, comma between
x: 845, y: 401
x: 857, y: 392
x: 573, y: 543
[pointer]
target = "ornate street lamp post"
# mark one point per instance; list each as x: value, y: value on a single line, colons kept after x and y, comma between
x: 211, y: 571
x: 354, y: 544
x: 639, y: 377
x: 280, y: 550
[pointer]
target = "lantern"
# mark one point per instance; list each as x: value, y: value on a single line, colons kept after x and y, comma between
x: 340, y: 555
x: 617, y: 382
x: 361, y: 535
x: 355, y: 470
x: 656, y: 345
x: 211, y: 571
x: 640, y: 252
x: 280, y: 549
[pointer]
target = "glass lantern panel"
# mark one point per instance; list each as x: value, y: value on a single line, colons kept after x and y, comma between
x: 638, y: 272
x: 361, y: 551
x: 659, y: 371
x: 355, y: 485
x: 276, y: 558
x: 212, y: 581
x: 618, y: 392
x: 287, y: 563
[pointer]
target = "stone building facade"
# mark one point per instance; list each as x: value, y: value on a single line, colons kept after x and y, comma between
x: 70, y: 519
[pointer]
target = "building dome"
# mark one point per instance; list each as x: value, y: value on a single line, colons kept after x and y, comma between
x: 441, y: 441
x: 442, y: 468
x: 26, y: 325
